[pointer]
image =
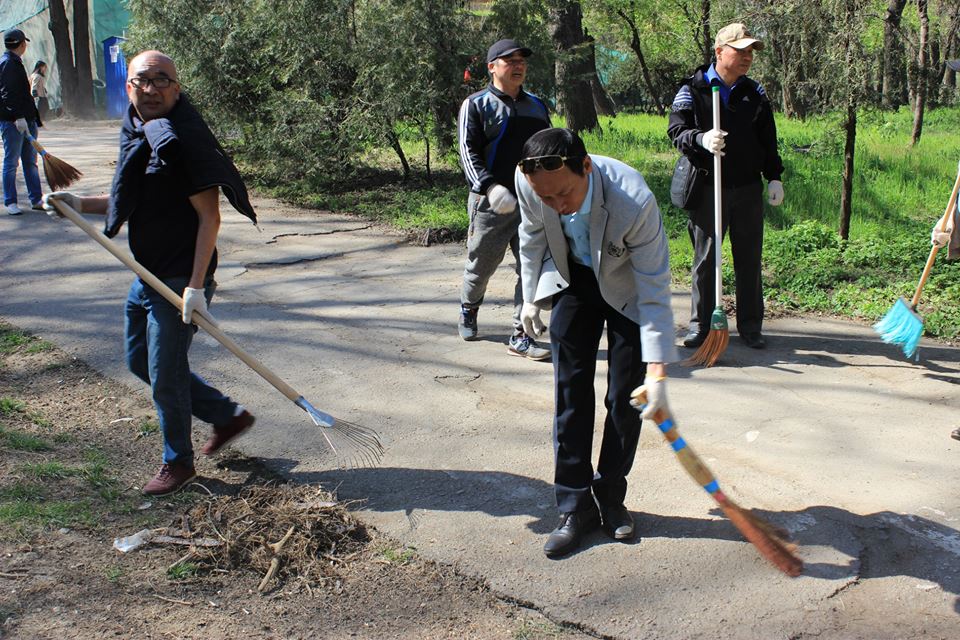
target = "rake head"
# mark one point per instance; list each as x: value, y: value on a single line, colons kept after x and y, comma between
x: 353, y: 445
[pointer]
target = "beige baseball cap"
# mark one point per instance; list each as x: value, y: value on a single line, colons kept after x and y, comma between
x: 736, y: 35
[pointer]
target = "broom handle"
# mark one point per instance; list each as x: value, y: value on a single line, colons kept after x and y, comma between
x: 155, y: 283
x: 717, y: 204
x: 951, y: 209
x: 36, y: 145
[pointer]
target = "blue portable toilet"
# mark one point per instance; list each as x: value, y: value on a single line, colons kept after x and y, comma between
x: 115, y: 74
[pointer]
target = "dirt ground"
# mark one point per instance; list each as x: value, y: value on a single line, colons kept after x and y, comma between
x: 75, y: 448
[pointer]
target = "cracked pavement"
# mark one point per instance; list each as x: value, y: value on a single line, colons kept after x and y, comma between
x: 828, y: 433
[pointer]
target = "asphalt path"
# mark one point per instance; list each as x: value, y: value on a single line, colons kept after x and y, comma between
x: 828, y: 433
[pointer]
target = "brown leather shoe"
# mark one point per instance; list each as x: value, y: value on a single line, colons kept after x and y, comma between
x: 956, y: 434
x: 224, y: 433
x: 170, y: 479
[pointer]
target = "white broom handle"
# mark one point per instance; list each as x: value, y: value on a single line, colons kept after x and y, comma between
x: 155, y: 283
x: 717, y: 203
x: 951, y: 209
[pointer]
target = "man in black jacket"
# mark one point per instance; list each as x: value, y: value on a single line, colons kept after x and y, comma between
x: 18, y: 116
x: 746, y: 137
x: 167, y: 190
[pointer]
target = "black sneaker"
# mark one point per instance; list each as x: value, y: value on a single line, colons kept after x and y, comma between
x: 468, y: 323
x: 695, y: 338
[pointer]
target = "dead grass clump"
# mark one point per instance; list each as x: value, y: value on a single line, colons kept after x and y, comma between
x: 283, y: 531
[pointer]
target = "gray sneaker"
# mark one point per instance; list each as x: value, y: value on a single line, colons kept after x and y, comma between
x: 526, y: 347
x: 468, y: 323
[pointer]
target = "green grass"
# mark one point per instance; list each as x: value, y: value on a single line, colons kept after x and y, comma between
x: 113, y: 574
x: 34, y: 510
x: 10, y: 406
x: 19, y: 441
x: 403, y: 555
x: 537, y: 631
x: 13, y: 339
x: 182, y: 571
x: 47, y: 470
x: 147, y: 427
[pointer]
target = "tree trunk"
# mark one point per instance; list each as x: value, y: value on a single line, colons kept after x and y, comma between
x: 81, y: 56
x: 921, y: 73
x: 644, y: 69
x: 572, y: 70
x: 394, y: 141
x: 893, y: 54
x: 846, y: 192
x: 705, y: 31
x: 60, y: 28
x: 601, y: 101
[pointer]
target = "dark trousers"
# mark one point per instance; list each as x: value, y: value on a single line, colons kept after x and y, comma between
x: 576, y: 325
x: 742, y: 215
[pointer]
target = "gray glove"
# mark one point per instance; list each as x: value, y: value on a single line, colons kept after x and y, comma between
x: 73, y: 201
x: 21, y: 124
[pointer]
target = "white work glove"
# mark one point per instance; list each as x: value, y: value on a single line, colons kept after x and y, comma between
x: 940, y: 238
x: 71, y: 200
x: 530, y: 319
x: 713, y: 141
x: 775, y: 193
x: 195, y: 300
x: 656, y: 389
x: 501, y: 200
x: 21, y: 124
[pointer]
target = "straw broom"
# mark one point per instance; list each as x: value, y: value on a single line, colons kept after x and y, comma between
x: 59, y: 174
x: 719, y: 335
x: 765, y: 537
x: 353, y: 445
x: 902, y: 324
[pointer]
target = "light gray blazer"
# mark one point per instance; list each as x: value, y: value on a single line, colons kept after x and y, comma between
x: 628, y: 248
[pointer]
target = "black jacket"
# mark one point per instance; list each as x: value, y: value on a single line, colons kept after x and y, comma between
x: 747, y: 117
x: 15, y: 99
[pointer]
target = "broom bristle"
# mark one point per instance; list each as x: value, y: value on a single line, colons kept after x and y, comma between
x: 711, y: 349
x: 762, y: 535
x: 60, y: 175
x: 902, y: 325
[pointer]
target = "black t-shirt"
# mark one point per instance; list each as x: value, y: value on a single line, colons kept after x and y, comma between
x: 163, y: 227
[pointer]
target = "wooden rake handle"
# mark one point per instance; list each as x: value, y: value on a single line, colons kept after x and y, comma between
x: 951, y: 209
x: 155, y: 283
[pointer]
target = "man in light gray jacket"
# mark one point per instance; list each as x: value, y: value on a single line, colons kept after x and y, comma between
x: 592, y: 247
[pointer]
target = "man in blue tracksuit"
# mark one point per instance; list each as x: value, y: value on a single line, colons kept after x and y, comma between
x: 18, y: 116
x: 492, y: 128
x: 746, y: 137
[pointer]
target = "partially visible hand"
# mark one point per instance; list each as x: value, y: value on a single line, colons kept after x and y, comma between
x: 656, y: 392
x: 775, y: 193
x: 713, y: 141
x: 71, y: 200
x: 21, y: 124
x: 501, y: 200
x: 195, y: 300
x: 940, y: 238
x: 530, y: 319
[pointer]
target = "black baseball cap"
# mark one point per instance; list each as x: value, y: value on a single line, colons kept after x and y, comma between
x: 503, y: 48
x: 14, y: 37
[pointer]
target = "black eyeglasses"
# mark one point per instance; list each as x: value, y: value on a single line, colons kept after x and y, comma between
x: 161, y: 82
x: 547, y: 163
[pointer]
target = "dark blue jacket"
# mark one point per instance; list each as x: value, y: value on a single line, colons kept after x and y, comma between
x: 15, y: 99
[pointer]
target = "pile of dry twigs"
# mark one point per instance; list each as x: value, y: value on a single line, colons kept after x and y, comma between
x: 282, y: 531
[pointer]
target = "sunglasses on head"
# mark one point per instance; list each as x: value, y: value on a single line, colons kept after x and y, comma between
x: 547, y: 163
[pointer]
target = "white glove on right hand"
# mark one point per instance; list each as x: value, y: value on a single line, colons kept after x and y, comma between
x: 195, y: 300
x: 713, y: 141
x: 530, y: 319
x: 71, y: 200
x: 501, y: 200
x: 21, y: 125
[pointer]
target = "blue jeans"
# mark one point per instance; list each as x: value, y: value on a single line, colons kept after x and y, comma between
x: 157, y: 344
x: 16, y: 149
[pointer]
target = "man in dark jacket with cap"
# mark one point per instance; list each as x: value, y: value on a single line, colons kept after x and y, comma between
x: 18, y: 117
x: 167, y: 186
x: 746, y: 137
x: 492, y: 128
